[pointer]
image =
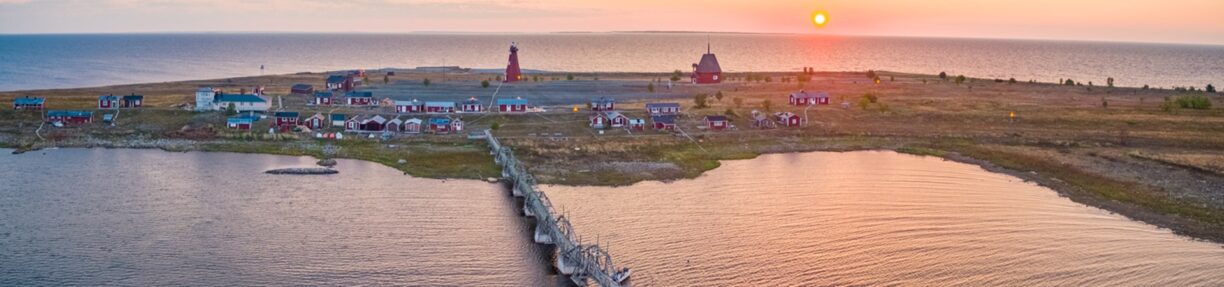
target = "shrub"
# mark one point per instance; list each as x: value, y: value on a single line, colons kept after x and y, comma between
x: 569, y: 77
x: 495, y: 126
x: 675, y: 77
x: 960, y: 79
x: 871, y: 97
x: 650, y: 87
x: 700, y: 100
x: 768, y: 79
x: 1069, y: 82
x: 1011, y: 81
x: 231, y: 109
x: 484, y: 84
x: 1211, y: 89
x: 1109, y: 82
x: 943, y: 76
x: 1198, y: 102
x: 729, y: 112
x: 425, y: 82
x: 871, y: 74
x: 718, y: 96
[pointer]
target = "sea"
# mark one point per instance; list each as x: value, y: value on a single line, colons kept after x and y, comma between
x: 123, y: 217
x: 68, y: 61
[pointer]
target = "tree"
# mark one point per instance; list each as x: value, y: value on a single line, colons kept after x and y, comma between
x: 675, y: 77
x: 960, y: 79
x: 1211, y: 89
x: 1109, y: 82
x: 231, y: 109
x: 943, y: 76
x: 650, y: 87
x: 718, y: 96
x: 484, y: 84
x: 1069, y: 82
x: 1011, y: 81
x: 700, y: 100
x: 425, y: 82
x: 871, y: 74
x: 569, y: 77
x: 386, y: 79
x: 767, y: 105
x: 738, y: 102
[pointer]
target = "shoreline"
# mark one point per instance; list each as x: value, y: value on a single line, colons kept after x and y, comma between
x: 1066, y: 141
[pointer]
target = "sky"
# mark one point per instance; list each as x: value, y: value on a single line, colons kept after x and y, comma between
x: 1166, y: 21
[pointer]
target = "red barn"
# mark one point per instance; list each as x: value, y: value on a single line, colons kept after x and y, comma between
x: 707, y: 71
x: 513, y: 73
x: 716, y: 122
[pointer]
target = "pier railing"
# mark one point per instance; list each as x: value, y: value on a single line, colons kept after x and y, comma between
x: 580, y: 261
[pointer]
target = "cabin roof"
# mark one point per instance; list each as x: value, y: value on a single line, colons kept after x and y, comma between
x: 806, y: 94
x: 133, y: 97
x: 286, y: 114
x: 663, y: 105
x: 63, y: 113
x: 664, y: 119
x: 337, y: 117
x: 29, y: 101
x: 413, y: 120
x: 440, y: 104
x: 324, y: 94
x: 239, y: 120
x: 603, y: 100
x: 336, y: 79
x: 439, y: 121
x: 716, y: 118
x: 407, y: 103
x: 301, y: 87
x: 515, y: 101
x: 240, y: 98
x: 366, y: 94
x: 108, y: 98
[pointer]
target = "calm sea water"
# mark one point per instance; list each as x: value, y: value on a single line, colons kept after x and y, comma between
x: 61, y: 61
x: 91, y: 217
x: 875, y: 219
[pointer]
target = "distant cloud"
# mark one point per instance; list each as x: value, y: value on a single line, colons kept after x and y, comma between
x: 2, y: 2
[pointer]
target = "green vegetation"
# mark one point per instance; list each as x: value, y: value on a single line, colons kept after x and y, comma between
x: 1069, y: 82
x: 425, y: 82
x: 1197, y: 102
x: 495, y: 126
x: 675, y: 76
x: 718, y: 96
x: 650, y: 87
x: 484, y: 84
x: 1109, y: 82
x: 231, y: 109
x: 943, y: 76
x: 700, y: 101
x: 960, y: 79
x: 1211, y: 89
x: 569, y: 77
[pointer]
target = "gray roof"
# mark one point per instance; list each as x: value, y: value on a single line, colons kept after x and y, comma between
x: 663, y: 105
x: 709, y: 64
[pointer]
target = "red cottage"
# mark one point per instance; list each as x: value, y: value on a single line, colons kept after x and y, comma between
x: 513, y: 73
x: 323, y: 98
x: 716, y: 122
x: 315, y: 122
x: 286, y: 119
x: 665, y: 123
x: 617, y: 119
x: 803, y: 98
x: 359, y: 98
x: 516, y: 105
x: 663, y: 108
x: 788, y: 119
x: 29, y: 103
x: 598, y: 120
x: 108, y: 102
x: 413, y: 106
x: 439, y: 107
x: 472, y: 105
x: 707, y: 71
x: 69, y: 117
x: 132, y: 101
x: 340, y: 83
x: 637, y: 124
x: 603, y: 104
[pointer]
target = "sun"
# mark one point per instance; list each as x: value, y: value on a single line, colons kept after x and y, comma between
x: 819, y: 18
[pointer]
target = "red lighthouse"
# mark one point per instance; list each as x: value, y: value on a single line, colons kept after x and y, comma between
x: 513, y: 74
x: 707, y: 71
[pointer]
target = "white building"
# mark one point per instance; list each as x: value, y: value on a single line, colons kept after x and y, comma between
x: 241, y: 102
x: 204, y: 99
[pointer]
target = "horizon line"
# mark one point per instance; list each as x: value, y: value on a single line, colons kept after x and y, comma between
x: 1220, y: 44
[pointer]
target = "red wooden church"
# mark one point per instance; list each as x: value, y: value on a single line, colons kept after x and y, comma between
x: 707, y: 71
x: 513, y: 73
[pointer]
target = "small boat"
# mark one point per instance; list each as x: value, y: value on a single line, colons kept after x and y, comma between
x: 622, y: 275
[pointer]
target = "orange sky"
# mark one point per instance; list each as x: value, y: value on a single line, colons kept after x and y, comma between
x: 1185, y: 21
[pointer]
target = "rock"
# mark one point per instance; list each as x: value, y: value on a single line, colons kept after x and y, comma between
x: 303, y: 171
x: 402, y: 161
x: 327, y: 162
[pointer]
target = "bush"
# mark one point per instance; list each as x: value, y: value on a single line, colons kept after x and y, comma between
x: 718, y: 96
x: 768, y: 79
x: 943, y: 76
x: 871, y: 74
x: 871, y: 97
x: 729, y: 112
x: 1211, y: 89
x: 569, y: 77
x: 1069, y: 82
x: 650, y: 87
x: 484, y: 84
x: 700, y: 100
x: 1109, y: 82
x: 1197, y: 102
x: 495, y: 126
x: 675, y: 77
x: 960, y: 79
x: 1011, y: 81
x: 425, y: 82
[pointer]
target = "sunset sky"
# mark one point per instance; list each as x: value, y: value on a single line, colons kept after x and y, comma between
x: 1179, y: 21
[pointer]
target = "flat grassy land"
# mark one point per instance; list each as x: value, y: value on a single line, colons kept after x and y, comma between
x: 1122, y: 149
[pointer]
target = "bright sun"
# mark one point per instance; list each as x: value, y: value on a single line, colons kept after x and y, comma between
x: 819, y: 18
